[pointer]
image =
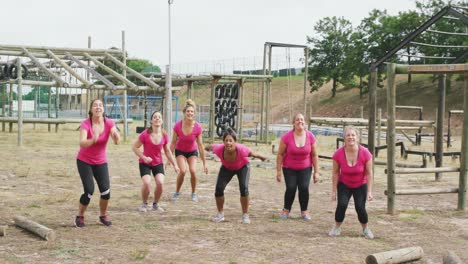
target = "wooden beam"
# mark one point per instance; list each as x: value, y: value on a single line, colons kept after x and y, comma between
x: 112, y: 72
x: 57, y: 78
x: 431, y: 68
x: 56, y: 50
x: 96, y: 74
x: 424, y: 191
x: 426, y: 170
x: 38, y: 229
x: 69, y: 69
x: 135, y: 73
x: 396, y: 256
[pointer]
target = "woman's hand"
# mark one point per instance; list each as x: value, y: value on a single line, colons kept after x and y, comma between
x: 147, y: 160
x: 278, y: 176
x: 177, y: 170
x: 369, y: 196
x: 316, y: 177
x: 333, y: 196
x: 205, y: 169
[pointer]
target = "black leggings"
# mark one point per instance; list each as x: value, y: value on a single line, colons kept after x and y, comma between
x: 225, y: 176
x: 100, y: 173
x: 297, y: 180
x: 344, y: 195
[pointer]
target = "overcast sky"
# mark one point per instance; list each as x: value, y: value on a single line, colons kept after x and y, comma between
x: 202, y: 30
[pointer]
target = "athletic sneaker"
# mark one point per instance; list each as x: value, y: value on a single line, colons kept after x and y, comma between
x: 79, y: 221
x: 219, y: 217
x: 335, y: 231
x: 368, y: 233
x: 284, y: 214
x: 156, y: 207
x: 105, y: 220
x: 306, y: 216
x: 194, y: 197
x: 175, y: 196
x: 245, y: 219
x: 143, y: 207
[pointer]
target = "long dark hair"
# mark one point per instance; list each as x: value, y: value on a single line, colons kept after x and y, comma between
x: 150, y: 128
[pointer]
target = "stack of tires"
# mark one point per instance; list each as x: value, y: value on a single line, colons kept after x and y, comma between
x: 9, y: 71
x: 226, y: 107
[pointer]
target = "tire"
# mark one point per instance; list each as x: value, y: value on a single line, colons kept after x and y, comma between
x: 227, y: 92
x: 232, y: 122
x: 219, y: 131
x: 13, y: 73
x: 221, y: 91
x: 217, y: 119
x: 233, y: 108
x: 218, y: 91
x: 235, y: 91
x: 218, y: 107
x: 3, y: 72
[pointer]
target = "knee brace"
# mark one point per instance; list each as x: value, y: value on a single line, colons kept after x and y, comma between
x: 85, y: 198
x: 105, y: 195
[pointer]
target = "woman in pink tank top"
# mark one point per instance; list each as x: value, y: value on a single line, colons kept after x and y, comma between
x: 92, y: 160
x: 234, y: 160
x: 154, y: 140
x: 352, y: 176
x: 186, y: 142
x: 296, y: 156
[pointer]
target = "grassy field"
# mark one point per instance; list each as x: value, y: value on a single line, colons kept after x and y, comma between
x: 40, y: 181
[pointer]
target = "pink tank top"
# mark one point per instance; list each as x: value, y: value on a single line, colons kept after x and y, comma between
x: 297, y: 158
x: 152, y: 150
x: 242, y: 158
x: 187, y: 143
x: 96, y: 153
x: 352, y: 176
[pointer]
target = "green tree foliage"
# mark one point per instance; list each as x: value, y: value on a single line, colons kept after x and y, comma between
x: 328, y: 55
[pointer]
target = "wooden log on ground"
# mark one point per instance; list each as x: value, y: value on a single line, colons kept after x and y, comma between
x: 396, y: 256
x: 424, y: 191
x: 451, y: 258
x: 33, y: 227
x: 3, y: 230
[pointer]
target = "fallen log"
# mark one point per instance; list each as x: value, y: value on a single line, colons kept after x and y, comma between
x: 451, y: 258
x: 33, y: 227
x: 396, y: 256
x: 3, y: 230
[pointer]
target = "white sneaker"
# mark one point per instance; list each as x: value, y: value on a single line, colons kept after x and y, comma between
x: 368, y: 233
x: 143, y: 208
x: 335, y: 231
x: 194, y: 197
x: 245, y: 219
x: 156, y: 207
x: 219, y: 217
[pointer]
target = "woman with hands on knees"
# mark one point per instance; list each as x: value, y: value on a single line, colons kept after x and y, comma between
x: 154, y: 139
x: 352, y: 176
x: 296, y: 155
x: 186, y: 142
x: 234, y: 161
x: 92, y: 160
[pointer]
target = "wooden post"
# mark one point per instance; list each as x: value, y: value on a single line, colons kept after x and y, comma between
x: 49, y: 104
x: 3, y: 104
x: 240, y: 110
x: 379, y: 126
x: 372, y: 110
x: 19, y: 82
x: 396, y: 256
x: 464, y: 152
x: 267, y: 117
x: 125, y: 103
x: 391, y: 96
x: 3, y: 230
x: 11, y: 105
x: 306, y: 68
x: 266, y: 52
x: 440, y: 125
x: 212, y: 130
x: 38, y: 229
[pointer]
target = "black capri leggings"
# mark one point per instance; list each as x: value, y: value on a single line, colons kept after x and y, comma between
x: 297, y: 180
x: 225, y: 176
x: 344, y: 195
x: 100, y: 173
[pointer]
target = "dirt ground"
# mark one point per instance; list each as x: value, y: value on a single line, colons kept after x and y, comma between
x: 40, y: 181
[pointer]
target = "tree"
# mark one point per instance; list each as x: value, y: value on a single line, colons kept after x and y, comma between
x: 329, y: 52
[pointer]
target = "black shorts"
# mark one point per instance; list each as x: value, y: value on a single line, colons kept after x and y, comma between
x: 186, y: 154
x: 146, y: 169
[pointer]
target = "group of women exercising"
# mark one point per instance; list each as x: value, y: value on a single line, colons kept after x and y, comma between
x: 296, y: 163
